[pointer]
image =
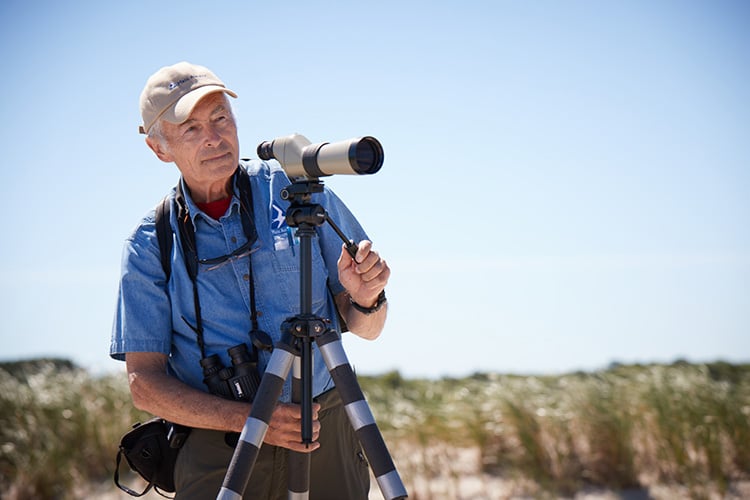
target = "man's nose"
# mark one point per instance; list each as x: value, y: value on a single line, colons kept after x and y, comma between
x: 211, y: 137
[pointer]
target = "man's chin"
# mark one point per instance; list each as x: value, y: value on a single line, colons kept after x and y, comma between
x: 225, y: 166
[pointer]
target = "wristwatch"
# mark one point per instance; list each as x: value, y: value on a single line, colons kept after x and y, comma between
x: 369, y: 310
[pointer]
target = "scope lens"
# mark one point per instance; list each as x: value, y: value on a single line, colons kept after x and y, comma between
x: 368, y: 156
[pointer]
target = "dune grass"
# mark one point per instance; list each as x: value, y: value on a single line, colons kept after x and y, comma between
x: 624, y: 427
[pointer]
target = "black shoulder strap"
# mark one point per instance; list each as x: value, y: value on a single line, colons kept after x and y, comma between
x: 164, y: 235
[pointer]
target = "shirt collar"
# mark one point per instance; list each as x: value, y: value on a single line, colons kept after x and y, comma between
x: 193, y: 209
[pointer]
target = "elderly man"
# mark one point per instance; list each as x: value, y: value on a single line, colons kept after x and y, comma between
x: 227, y: 221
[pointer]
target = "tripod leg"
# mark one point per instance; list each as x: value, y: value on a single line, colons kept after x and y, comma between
x: 256, y: 426
x: 298, y: 479
x: 360, y: 416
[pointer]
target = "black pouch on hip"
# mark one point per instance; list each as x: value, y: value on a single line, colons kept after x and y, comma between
x: 151, y: 449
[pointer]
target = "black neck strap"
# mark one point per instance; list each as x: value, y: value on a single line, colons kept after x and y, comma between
x: 189, y: 249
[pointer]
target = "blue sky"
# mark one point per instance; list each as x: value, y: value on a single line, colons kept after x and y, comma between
x: 566, y: 184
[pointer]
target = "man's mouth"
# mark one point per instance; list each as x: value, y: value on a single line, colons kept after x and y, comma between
x: 216, y: 158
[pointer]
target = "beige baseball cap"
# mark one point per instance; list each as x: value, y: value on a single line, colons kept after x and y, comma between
x: 172, y: 92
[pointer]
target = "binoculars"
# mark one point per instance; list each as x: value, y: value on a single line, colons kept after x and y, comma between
x: 238, y: 382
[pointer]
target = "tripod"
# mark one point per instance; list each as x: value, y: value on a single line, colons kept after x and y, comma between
x: 295, y: 348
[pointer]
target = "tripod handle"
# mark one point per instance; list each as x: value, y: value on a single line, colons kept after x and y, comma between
x: 351, y: 247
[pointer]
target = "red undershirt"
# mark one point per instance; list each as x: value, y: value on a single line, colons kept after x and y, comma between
x: 215, y: 209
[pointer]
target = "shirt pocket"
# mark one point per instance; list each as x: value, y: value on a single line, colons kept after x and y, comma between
x: 285, y: 280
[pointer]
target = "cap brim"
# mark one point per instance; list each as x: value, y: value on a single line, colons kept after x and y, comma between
x: 180, y: 111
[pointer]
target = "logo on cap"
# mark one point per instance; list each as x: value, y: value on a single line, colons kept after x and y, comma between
x: 174, y: 85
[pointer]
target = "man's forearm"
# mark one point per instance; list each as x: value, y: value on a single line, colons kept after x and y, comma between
x: 155, y: 391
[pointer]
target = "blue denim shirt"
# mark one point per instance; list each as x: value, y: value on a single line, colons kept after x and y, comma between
x: 149, y: 314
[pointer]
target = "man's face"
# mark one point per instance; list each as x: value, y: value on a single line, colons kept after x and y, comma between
x: 204, y: 147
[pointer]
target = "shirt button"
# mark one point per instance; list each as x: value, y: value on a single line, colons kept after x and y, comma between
x: 234, y: 239
x: 246, y: 277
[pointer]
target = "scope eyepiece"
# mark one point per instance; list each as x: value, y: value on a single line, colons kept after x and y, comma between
x: 265, y: 150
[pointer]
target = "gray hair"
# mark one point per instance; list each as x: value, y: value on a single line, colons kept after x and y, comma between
x: 156, y: 133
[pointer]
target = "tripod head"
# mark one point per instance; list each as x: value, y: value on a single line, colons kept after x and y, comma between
x: 305, y: 215
x: 302, y: 212
x: 301, y: 190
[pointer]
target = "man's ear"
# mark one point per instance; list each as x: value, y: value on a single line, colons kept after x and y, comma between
x: 159, y: 150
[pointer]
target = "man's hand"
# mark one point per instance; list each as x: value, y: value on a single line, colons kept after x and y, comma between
x: 365, y: 276
x: 285, y: 428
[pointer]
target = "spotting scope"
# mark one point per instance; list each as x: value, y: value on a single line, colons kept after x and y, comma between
x: 299, y: 158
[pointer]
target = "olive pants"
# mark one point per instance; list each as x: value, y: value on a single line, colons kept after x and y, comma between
x: 338, y: 469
